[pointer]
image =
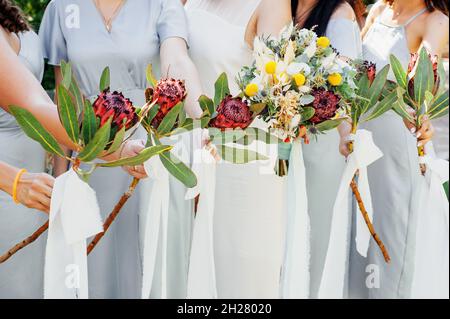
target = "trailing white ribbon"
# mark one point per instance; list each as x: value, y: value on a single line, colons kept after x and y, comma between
x: 74, y: 217
x: 201, y: 275
x: 364, y: 154
x: 156, y: 222
x: 431, y: 273
x: 296, y: 276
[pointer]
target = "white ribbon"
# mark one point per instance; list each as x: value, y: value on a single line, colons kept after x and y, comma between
x: 431, y: 265
x: 333, y: 277
x: 201, y: 275
x: 74, y: 217
x: 296, y: 277
x: 156, y: 222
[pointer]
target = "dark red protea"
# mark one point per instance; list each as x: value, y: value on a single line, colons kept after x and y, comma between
x: 167, y: 94
x: 232, y: 113
x: 114, y: 105
x: 326, y: 104
x: 412, y: 64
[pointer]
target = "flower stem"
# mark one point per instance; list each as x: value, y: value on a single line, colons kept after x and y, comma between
x: 421, y: 152
x: 24, y: 243
x: 113, y: 215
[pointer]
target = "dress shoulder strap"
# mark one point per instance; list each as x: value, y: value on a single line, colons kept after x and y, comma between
x: 414, y: 17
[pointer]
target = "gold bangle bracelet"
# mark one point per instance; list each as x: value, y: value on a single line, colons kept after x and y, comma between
x: 16, y: 183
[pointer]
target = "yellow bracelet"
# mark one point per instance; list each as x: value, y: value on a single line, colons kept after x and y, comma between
x: 16, y: 183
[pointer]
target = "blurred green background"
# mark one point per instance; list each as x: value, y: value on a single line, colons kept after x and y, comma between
x: 34, y: 9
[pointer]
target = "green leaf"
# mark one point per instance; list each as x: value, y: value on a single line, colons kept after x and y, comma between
x: 105, y: 80
x: 400, y: 107
x: 76, y: 92
x: 399, y: 72
x: 97, y: 144
x: 89, y: 123
x: 253, y: 134
x: 139, y: 159
x: 439, y: 108
x: 257, y: 108
x: 178, y: 169
x: 238, y: 155
x: 228, y: 136
x: 68, y: 114
x: 222, y: 89
x: 170, y: 119
x: 182, y: 117
x: 207, y: 105
x: 150, y: 77
x: 376, y: 88
x: 66, y: 72
x: 152, y: 113
x: 307, y: 113
x: 31, y: 126
x: 442, y: 77
x: 385, y: 105
x: 118, y: 140
x: 423, y: 77
x: 329, y: 125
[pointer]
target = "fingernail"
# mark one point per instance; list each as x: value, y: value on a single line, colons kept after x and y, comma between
x: 418, y: 135
x: 419, y: 144
x: 413, y: 130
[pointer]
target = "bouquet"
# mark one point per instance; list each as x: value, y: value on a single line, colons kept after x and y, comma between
x: 299, y: 85
x: 422, y: 89
x: 96, y: 130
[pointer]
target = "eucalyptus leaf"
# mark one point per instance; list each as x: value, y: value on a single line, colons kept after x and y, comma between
x: 139, y: 159
x: 306, y: 99
x: 68, y: 113
x: 105, y: 80
x: 34, y: 130
x: 178, y: 169
x: 307, y: 113
x: 97, y: 145
x: 257, y: 108
x: 329, y: 125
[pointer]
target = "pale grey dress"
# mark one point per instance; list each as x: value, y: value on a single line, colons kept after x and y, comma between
x: 73, y: 30
x: 324, y: 164
x: 22, y: 275
x: 395, y: 178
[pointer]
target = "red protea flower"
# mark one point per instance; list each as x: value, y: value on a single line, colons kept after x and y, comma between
x: 167, y: 94
x: 232, y: 113
x: 115, y: 105
x: 411, y: 66
x: 368, y: 68
x: 325, y: 104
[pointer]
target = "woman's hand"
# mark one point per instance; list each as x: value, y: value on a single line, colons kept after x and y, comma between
x: 130, y: 149
x: 345, y: 130
x: 35, y: 191
x: 425, y: 133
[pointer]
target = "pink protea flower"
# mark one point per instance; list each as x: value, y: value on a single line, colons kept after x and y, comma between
x: 114, y: 105
x: 370, y: 69
x: 326, y: 104
x: 412, y: 64
x: 232, y: 113
x: 167, y: 94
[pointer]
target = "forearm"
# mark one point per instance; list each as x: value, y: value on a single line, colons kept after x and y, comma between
x: 7, y: 176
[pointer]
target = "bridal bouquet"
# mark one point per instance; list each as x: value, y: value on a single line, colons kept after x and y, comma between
x: 96, y: 130
x: 299, y: 85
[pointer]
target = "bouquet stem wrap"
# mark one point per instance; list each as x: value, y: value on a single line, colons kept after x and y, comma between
x: 156, y: 226
x: 284, y: 154
x: 201, y: 275
x: 74, y: 217
x: 365, y: 153
x: 431, y: 273
x: 296, y: 277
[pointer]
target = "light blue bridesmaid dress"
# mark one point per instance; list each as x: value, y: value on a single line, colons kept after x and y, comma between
x: 395, y: 178
x: 22, y: 275
x: 73, y: 30
x: 324, y: 164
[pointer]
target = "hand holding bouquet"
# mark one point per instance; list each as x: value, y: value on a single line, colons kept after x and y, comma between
x: 299, y: 85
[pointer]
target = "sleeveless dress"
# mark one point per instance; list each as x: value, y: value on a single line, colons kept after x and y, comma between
x: 73, y: 30
x: 22, y: 276
x: 395, y: 178
x: 249, y: 203
x: 324, y: 164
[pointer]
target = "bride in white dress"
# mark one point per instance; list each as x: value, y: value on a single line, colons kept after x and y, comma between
x: 250, y: 208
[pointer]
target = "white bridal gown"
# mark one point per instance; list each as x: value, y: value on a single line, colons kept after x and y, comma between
x: 249, y: 202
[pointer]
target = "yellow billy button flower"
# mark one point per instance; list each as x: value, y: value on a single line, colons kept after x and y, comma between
x: 251, y: 89
x: 299, y: 79
x: 271, y: 67
x: 323, y: 42
x: 335, y: 79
